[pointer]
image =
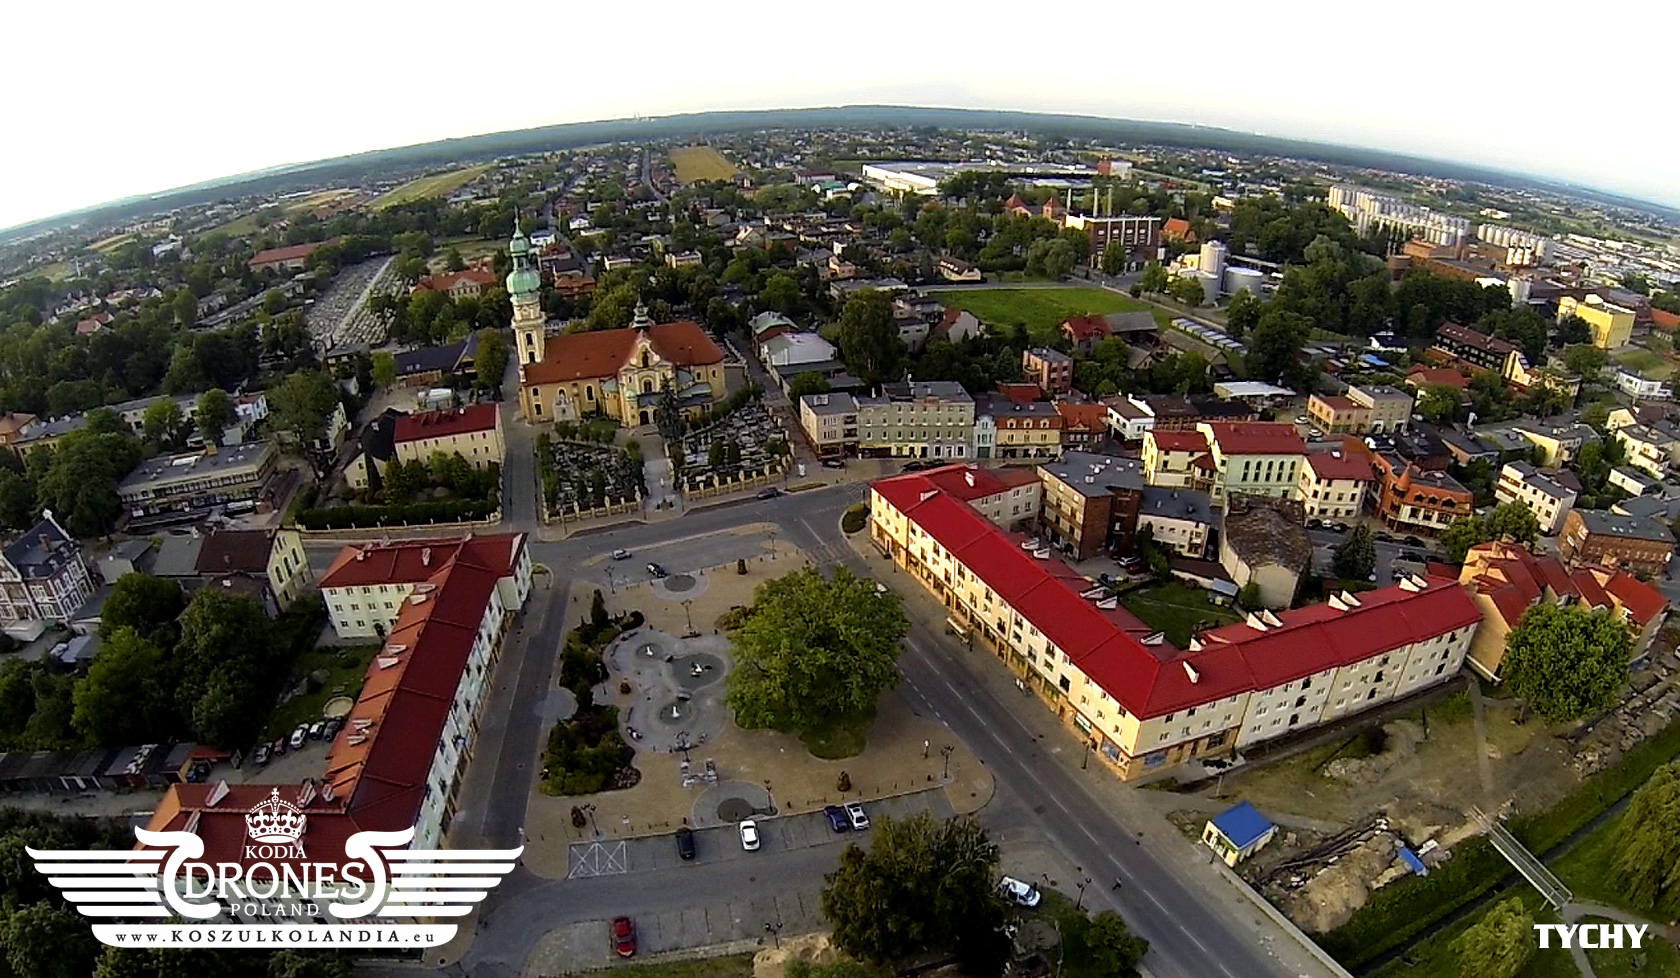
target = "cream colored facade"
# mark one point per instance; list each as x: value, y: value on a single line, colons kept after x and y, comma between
x: 1548, y: 500
x: 1136, y: 746
x: 479, y: 448
x: 917, y: 419
x: 1327, y: 497
x: 288, y: 568
x: 1168, y: 466
x: 1391, y: 408
x: 1273, y: 475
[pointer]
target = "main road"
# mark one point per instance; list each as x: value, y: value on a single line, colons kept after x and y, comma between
x: 1170, y: 896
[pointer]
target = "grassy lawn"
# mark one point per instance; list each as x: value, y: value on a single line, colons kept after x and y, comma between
x: 694, y: 163
x: 108, y: 245
x: 345, y: 667
x: 239, y: 227
x: 1653, y: 365
x: 1434, y: 958
x: 731, y: 966
x: 1041, y: 311
x: 841, y: 739
x: 436, y: 185
x: 1655, y: 959
x: 1176, y: 608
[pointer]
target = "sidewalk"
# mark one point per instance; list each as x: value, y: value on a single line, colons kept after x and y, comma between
x: 1199, y: 873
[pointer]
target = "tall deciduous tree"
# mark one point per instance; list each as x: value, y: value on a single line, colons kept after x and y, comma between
x: 1645, y: 860
x: 1274, y: 348
x: 162, y: 423
x: 490, y: 362
x: 869, y: 340
x: 923, y: 885
x: 225, y: 663
x: 211, y: 415
x: 1568, y: 663
x: 814, y: 649
x: 299, y: 409
x: 1498, y: 945
x: 124, y: 699
x: 148, y: 605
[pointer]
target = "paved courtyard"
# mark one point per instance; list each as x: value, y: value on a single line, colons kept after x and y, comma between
x: 757, y: 772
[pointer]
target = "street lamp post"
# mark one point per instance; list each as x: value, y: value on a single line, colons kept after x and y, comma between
x: 687, y: 605
x: 947, y: 751
x: 610, y: 588
x: 1084, y: 881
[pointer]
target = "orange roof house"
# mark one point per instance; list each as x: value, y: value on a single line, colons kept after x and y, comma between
x: 1177, y: 229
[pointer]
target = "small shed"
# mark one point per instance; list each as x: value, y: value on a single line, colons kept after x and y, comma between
x: 1237, y: 833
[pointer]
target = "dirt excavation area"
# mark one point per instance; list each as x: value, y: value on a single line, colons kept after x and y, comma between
x: 1346, y: 806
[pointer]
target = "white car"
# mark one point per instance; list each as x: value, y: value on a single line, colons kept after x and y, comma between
x: 1019, y: 893
x: 621, y: 554
x: 749, y: 835
x: 857, y: 816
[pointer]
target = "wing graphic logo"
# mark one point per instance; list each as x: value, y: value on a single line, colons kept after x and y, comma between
x: 379, y: 882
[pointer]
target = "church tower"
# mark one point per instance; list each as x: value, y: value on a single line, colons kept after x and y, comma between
x: 522, y: 284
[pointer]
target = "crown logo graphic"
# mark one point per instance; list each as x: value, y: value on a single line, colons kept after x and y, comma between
x: 274, y: 821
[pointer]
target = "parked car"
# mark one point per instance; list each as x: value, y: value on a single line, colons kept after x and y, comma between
x: 837, y: 819
x: 769, y: 492
x: 749, y: 835
x: 621, y: 554
x: 317, y: 729
x: 1339, y: 527
x: 1302, y: 419
x: 260, y: 756
x: 833, y: 463
x: 299, y: 735
x: 333, y: 727
x: 1414, y: 541
x: 656, y: 570
x: 1019, y: 893
x: 857, y: 816
x: 279, y: 745
x: 685, y: 842
x: 1314, y: 523
x: 914, y: 466
x: 624, y: 937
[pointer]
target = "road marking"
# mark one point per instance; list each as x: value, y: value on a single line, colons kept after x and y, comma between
x: 595, y: 859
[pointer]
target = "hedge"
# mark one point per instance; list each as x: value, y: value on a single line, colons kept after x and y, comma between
x: 1406, y: 907
x: 441, y: 511
x: 854, y: 518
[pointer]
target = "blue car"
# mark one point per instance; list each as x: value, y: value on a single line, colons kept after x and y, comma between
x: 837, y: 819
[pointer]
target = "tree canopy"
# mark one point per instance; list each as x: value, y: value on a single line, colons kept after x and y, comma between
x: 1567, y: 662
x: 1512, y: 520
x: 868, y: 339
x: 814, y: 650
x: 1498, y: 945
x: 923, y: 885
x: 1645, y: 855
x: 1356, y: 556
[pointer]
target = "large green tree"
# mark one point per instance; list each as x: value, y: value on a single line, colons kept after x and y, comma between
x: 814, y: 649
x: 923, y: 885
x: 125, y: 697
x: 1498, y: 945
x: 79, y: 483
x: 808, y: 382
x: 1274, y: 348
x: 162, y: 423
x: 869, y: 341
x: 1645, y: 858
x: 1568, y: 663
x: 148, y: 605
x: 1105, y: 947
x: 1356, y: 556
x: 490, y: 362
x: 211, y: 415
x: 226, y: 668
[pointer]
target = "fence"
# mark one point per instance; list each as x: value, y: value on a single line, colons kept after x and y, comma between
x: 721, y: 487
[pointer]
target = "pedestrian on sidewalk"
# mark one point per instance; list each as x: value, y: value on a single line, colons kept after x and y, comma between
x: 1116, y: 885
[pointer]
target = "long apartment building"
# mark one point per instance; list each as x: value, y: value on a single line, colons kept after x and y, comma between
x: 914, y: 419
x: 1142, y: 705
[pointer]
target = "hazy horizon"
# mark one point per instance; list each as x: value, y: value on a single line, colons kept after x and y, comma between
x: 351, y: 79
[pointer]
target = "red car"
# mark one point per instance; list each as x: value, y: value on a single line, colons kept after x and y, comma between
x: 624, y: 937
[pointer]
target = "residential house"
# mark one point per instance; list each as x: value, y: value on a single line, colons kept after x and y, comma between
x: 1420, y: 377
x: 44, y: 579
x: 1264, y: 543
x: 1012, y: 429
x: 1176, y: 459
x: 1475, y: 350
x: 12, y: 427
x: 468, y: 284
x: 292, y: 258
x: 1642, y: 388
x: 1174, y: 411
x: 1011, y: 497
x: 916, y: 419
x: 1649, y: 448
x: 378, y: 448
x: 1254, y: 458
x: 367, y: 586
x: 1181, y: 520
x: 1332, y: 485
x: 1411, y: 499
x: 473, y: 432
x: 1085, y: 332
x: 1143, y: 706
x: 1084, y: 423
x: 426, y: 366
x: 956, y: 270
x: 830, y: 423
x: 1610, y: 325
x: 1129, y: 419
x: 1632, y: 481
x: 1641, y: 544
x: 272, y: 562
x: 1506, y: 580
x: 1390, y: 409
x: 1337, y: 415
x: 1548, y: 499
x: 1091, y: 502
x: 1051, y: 370
x: 956, y: 325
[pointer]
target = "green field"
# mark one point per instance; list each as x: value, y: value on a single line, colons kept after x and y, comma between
x: 111, y: 244
x: 730, y: 966
x: 436, y: 185
x: 695, y: 163
x: 1653, y: 365
x: 1041, y: 311
x: 345, y: 667
x: 1176, y: 608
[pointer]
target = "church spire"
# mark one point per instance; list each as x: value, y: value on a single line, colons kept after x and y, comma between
x: 523, y: 281
x: 522, y: 285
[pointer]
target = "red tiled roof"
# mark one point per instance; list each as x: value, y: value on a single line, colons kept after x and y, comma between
x: 1642, y: 600
x: 968, y: 482
x: 1176, y: 227
x: 1093, y: 417
x: 1177, y: 441
x: 1082, y: 328
x: 379, y: 782
x: 1336, y: 402
x: 1256, y: 438
x: 1445, y: 376
x: 444, y: 281
x: 586, y: 356
x: 1019, y: 392
x: 1151, y: 681
x: 1663, y: 319
x: 1339, y: 465
x: 225, y: 551
x: 288, y: 253
x: 445, y: 423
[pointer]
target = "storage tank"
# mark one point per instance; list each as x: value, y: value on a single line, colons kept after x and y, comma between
x: 1212, y: 259
x: 1210, y: 287
x: 1243, y: 280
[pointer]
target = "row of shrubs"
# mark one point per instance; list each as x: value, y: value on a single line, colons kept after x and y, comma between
x: 411, y: 514
x: 586, y: 753
x: 1402, y: 909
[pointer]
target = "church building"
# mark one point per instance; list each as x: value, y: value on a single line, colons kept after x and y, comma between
x: 622, y: 373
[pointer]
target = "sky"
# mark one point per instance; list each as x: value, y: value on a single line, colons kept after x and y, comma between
x: 109, y: 100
